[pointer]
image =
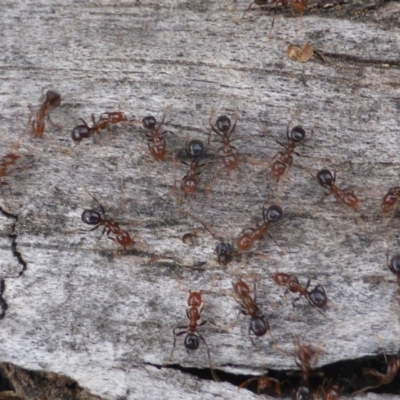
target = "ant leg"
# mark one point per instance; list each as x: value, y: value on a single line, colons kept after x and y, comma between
x: 169, y: 359
x: 212, y: 183
x: 97, y: 201
x: 205, y: 225
x: 214, y: 375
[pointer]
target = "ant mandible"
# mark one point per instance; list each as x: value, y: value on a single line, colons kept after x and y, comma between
x: 110, y: 227
x: 195, y: 150
x: 155, y: 138
x: 84, y: 131
x: 284, y: 159
x: 224, y: 129
x: 390, y: 199
x: 225, y: 251
x: 316, y: 297
x: 258, y: 325
x: 52, y: 100
x: 192, y: 338
x: 346, y: 196
x: 247, y: 237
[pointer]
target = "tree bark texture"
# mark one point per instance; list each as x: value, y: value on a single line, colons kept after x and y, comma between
x: 103, y: 317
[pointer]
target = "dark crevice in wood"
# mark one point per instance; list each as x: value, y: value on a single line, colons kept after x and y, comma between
x: 347, y: 373
x: 13, y: 236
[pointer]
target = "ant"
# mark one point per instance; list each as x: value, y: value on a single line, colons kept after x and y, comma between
x: 258, y: 325
x: 195, y: 150
x: 299, y: 6
x: 263, y: 382
x: 316, y: 297
x: 84, y: 131
x: 305, y: 355
x: 224, y: 129
x: 192, y: 338
x: 332, y: 392
x: 52, y: 100
x: 390, y: 199
x: 225, y: 251
x: 6, y: 161
x: 392, y: 367
x: 155, y: 138
x: 112, y: 228
x: 346, y: 196
x: 394, y: 266
x: 284, y: 159
x: 247, y: 237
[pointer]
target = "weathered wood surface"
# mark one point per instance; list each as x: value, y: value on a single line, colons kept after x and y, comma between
x: 98, y: 317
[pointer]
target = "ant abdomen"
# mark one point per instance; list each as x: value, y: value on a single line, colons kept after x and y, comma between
x: 318, y: 296
x: 259, y: 326
x: 195, y: 148
x: 273, y: 214
x: 223, y: 123
x: 91, y: 217
x: 80, y: 132
x: 191, y: 341
x: 297, y: 134
x: 149, y: 122
x: 325, y: 178
x: 394, y: 264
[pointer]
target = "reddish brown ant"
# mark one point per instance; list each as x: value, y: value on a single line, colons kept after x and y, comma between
x: 390, y: 198
x: 346, y: 196
x: 225, y: 251
x: 332, y: 392
x: 316, y: 297
x: 155, y: 138
x: 263, y: 382
x: 6, y: 161
x: 392, y: 367
x: 52, y: 100
x: 192, y: 338
x: 305, y: 355
x: 195, y: 150
x: 258, y: 325
x: 110, y: 227
x: 224, y: 129
x: 84, y: 131
x: 299, y: 6
x: 247, y: 237
x: 284, y: 159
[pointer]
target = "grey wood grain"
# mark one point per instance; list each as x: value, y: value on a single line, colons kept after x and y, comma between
x: 82, y: 310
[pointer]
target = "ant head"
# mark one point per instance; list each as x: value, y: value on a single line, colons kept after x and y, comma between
x: 91, y: 217
x: 191, y: 341
x: 224, y: 252
x: 53, y: 99
x: 318, y: 296
x: 259, y: 326
x: 394, y: 264
x: 195, y: 148
x: 325, y: 178
x: 149, y: 122
x: 297, y: 134
x: 302, y: 393
x: 80, y: 132
x: 273, y: 214
x: 223, y: 123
